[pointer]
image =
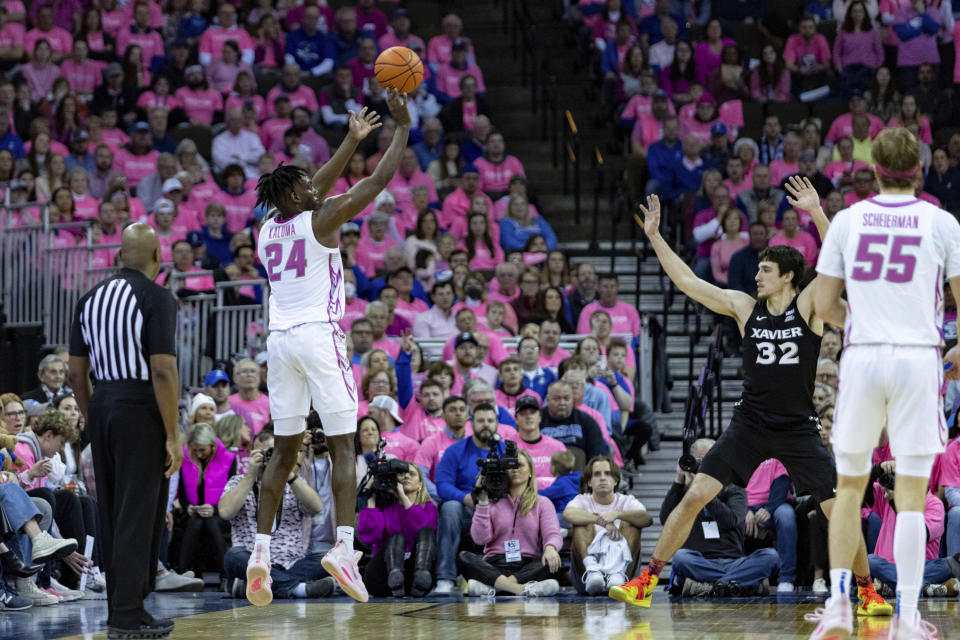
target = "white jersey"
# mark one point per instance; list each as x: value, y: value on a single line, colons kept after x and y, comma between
x: 306, y: 278
x: 893, y: 251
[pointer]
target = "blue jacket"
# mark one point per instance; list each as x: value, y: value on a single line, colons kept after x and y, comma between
x: 513, y: 237
x: 660, y: 158
x: 928, y: 26
x: 742, y: 272
x: 219, y: 248
x: 310, y: 51
x: 539, y: 382
x: 562, y: 491
x: 12, y: 143
x: 457, y: 470
x: 685, y: 180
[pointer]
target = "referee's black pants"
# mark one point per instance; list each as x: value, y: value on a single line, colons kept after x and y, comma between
x: 128, y: 439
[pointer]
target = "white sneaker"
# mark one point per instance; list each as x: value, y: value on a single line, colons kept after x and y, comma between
x: 342, y: 565
x: 900, y: 629
x: 259, y: 583
x: 820, y: 586
x: 785, y: 587
x: 46, y: 546
x: 71, y: 594
x: 28, y: 589
x: 615, y: 580
x: 170, y: 581
x: 443, y: 588
x: 541, y: 589
x: 477, y: 589
x: 593, y: 583
x: 835, y: 620
x: 97, y: 583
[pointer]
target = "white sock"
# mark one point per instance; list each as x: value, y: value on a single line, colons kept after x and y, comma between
x: 909, y: 554
x: 300, y: 591
x: 345, y: 535
x: 262, y: 544
x: 589, y: 564
x: 840, y: 583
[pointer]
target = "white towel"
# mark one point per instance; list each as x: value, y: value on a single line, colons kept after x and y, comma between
x: 612, y: 556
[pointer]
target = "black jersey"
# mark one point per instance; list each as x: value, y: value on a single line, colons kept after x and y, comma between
x: 780, y: 365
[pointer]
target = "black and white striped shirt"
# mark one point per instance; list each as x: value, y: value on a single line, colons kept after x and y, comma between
x: 120, y: 323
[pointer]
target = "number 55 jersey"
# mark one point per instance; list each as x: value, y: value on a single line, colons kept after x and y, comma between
x: 306, y: 278
x: 893, y: 251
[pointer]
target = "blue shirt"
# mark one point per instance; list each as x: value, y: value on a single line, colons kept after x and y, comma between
x: 426, y: 155
x: 218, y: 248
x: 660, y: 158
x: 539, y: 380
x: 309, y: 51
x: 562, y: 491
x: 513, y: 237
x: 12, y: 143
x: 457, y: 470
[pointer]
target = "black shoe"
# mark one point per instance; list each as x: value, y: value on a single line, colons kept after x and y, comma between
x: 736, y: 590
x: 395, y: 582
x: 422, y: 584
x: 238, y: 589
x: 158, y: 629
x: 13, y: 566
x: 321, y: 588
x: 720, y: 590
x: 148, y: 619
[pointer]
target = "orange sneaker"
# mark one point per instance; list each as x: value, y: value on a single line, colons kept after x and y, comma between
x: 872, y: 603
x: 638, y: 591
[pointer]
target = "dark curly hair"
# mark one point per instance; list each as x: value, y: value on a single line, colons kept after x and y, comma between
x: 787, y: 259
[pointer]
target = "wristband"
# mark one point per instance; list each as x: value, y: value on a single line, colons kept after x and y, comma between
x: 485, y: 503
x: 290, y: 482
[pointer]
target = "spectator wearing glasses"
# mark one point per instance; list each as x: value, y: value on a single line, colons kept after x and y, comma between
x: 536, y: 378
x: 248, y: 395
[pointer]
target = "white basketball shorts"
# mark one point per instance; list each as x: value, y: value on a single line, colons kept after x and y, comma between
x: 890, y: 386
x: 309, y: 362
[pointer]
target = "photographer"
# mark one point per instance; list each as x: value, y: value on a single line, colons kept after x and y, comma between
x: 520, y: 537
x: 317, y: 470
x: 456, y: 478
x: 293, y: 574
x: 400, y: 524
x: 940, y: 575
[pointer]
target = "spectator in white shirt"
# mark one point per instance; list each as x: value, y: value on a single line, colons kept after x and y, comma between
x: 236, y: 145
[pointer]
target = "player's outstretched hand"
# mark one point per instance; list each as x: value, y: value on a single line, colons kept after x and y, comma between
x: 801, y: 194
x: 651, y: 216
x: 951, y: 361
x: 363, y: 123
x: 398, y: 108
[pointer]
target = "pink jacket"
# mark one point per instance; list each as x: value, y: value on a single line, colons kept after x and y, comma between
x: 215, y: 476
x: 500, y: 521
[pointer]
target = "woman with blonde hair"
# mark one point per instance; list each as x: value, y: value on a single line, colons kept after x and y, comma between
x: 234, y: 432
x: 202, y: 409
x: 395, y: 523
x: 520, y: 535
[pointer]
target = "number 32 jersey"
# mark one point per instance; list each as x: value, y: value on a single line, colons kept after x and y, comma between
x: 893, y: 251
x: 306, y: 278
x: 779, y: 366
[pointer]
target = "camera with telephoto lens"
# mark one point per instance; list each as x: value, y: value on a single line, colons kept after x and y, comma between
x: 494, y: 469
x: 887, y: 480
x: 318, y: 439
x: 267, y: 454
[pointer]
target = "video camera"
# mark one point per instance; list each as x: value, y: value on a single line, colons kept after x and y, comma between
x: 384, y: 472
x: 494, y: 469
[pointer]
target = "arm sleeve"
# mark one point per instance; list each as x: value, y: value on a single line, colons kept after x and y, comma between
x: 550, y: 525
x: 930, y: 24
x: 670, y: 501
x: 78, y: 346
x: 778, y: 493
x: 547, y: 232
x: 830, y: 260
x: 161, y: 323
x: 729, y: 508
x: 446, y: 479
x: 404, y: 379
x: 481, y: 529
x: 706, y: 231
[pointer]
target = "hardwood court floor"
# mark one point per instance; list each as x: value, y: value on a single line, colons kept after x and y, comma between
x: 209, y: 616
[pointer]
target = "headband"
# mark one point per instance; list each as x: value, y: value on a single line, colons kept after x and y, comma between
x: 902, y: 176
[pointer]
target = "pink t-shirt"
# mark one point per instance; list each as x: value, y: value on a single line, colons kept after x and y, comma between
x: 211, y: 42
x: 401, y: 187
x: 235, y: 101
x: 780, y: 169
x: 352, y: 311
x: 148, y: 100
x: 624, y: 317
x: 258, y: 409
x: 933, y: 516
x: 392, y: 348
x: 400, y: 445
x: 540, y: 452
x: 12, y: 35
x: 802, y: 242
x: 135, y: 167
x: 370, y: 253
x: 496, y: 177
x: 440, y: 48
x: 835, y: 170
x: 758, y: 489
x: 200, y: 105
x: 83, y: 78
x: 271, y: 132
x: 843, y: 126
x: 483, y: 259
x: 552, y: 362
x: 418, y: 425
x: 949, y: 475
x: 60, y: 39
x: 239, y: 208
x: 304, y: 96
x: 448, y: 79
x: 84, y: 207
x: 806, y: 54
x: 150, y: 43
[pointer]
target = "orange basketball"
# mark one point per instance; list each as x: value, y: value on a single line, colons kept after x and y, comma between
x: 399, y: 68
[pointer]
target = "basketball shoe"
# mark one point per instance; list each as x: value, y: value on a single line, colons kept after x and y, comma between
x: 835, y: 620
x: 900, y: 629
x: 638, y: 591
x: 259, y: 583
x: 872, y: 603
x: 342, y: 565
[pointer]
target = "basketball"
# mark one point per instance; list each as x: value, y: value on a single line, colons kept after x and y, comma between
x: 399, y: 68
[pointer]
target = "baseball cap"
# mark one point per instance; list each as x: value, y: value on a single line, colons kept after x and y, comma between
x: 718, y: 129
x: 195, y: 239
x: 113, y: 69
x: 400, y: 12
x: 349, y: 227
x: 526, y: 402
x: 192, y: 68
x: 464, y: 338
x: 172, y: 184
x: 459, y: 45
x: 856, y: 93
x: 141, y: 127
x: 215, y: 376
x: 808, y: 155
x: 200, y: 400
x: 660, y: 93
x: 79, y: 134
x: 388, y: 403
x: 162, y: 205
x: 33, y: 408
x: 469, y: 168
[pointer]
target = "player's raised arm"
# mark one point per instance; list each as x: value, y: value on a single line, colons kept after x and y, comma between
x: 339, y: 209
x: 802, y: 195
x: 736, y: 304
x: 359, y: 128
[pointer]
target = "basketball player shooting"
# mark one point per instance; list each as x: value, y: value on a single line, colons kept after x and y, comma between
x: 307, y: 355
x: 891, y: 253
x: 775, y: 417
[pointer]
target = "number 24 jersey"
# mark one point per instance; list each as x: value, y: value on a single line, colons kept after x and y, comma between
x: 893, y: 251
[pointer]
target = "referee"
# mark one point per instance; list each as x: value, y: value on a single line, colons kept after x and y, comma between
x: 123, y: 330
